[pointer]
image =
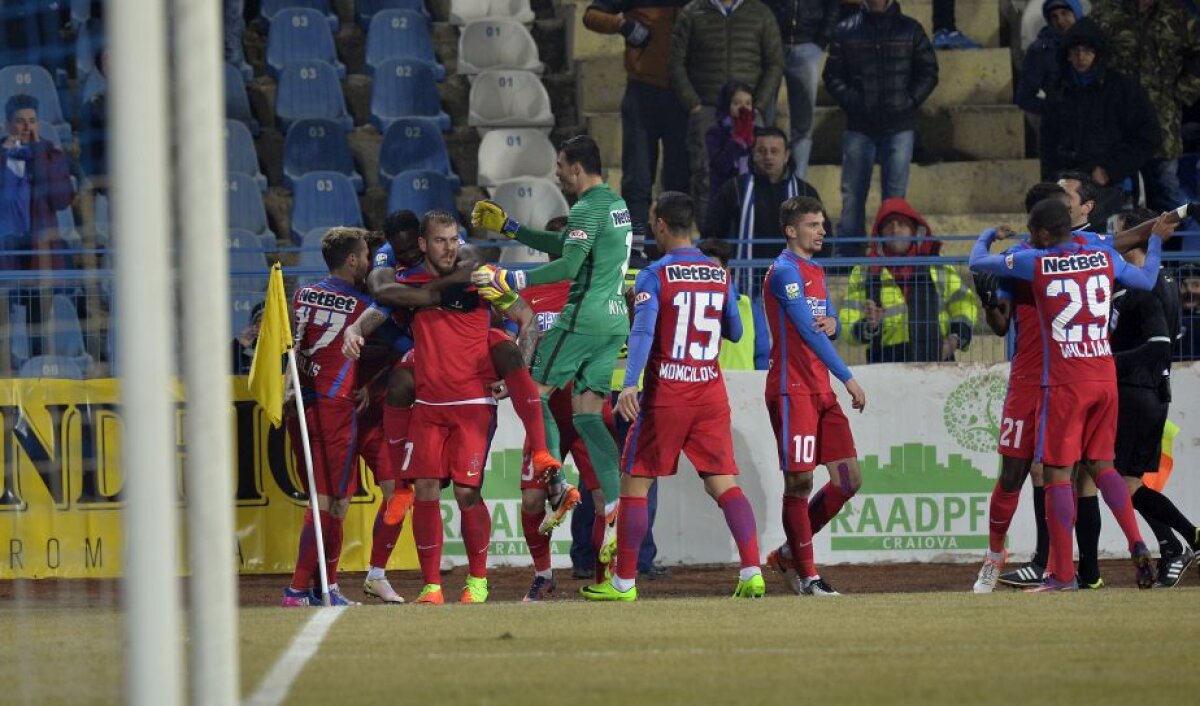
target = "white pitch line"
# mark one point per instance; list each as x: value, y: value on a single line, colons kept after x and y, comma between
x: 592, y: 654
x: 276, y: 684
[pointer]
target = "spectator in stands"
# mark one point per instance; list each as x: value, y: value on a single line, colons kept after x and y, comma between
x: 907, y: 313
x: 243, y: 344
x: 235, y: 28
x: 651, y: 114
x: 1152, y: 41
x: 36, y: 185
x: 753, y: 349
x: 946, y: 34
x: 881, y: 92
x: 748, y: 207
x: 805, y: 27
x: 1189, y: 295
x: 715, y: 42
x: 1096, y: 120
x: 1039, y: 68
x: 93, y: 125
x: 730, y: 138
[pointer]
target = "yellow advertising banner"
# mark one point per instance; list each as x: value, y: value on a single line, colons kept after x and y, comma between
x: 60, y: 489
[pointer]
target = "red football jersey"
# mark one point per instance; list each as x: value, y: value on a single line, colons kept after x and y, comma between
x: 453, y: 361
x: 795, y: 367
x: 690, y: 293
x: 1073, y: 286
x: 323, y: 311
x: 547, y: 302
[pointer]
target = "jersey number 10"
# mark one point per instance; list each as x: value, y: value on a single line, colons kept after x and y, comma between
x: 694, y: 311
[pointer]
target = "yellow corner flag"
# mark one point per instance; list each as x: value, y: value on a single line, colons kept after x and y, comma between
x: 274, y: 340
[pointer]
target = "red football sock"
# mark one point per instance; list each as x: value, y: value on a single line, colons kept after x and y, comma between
x: 427, y: 531
x: 395, y: 431
x: 797, y: 524
x: 740, y: 518
x: 306, y: 558
x: 527, y: 403
x: 383, y: 538
x: 598, y: 525
x: 331, y: 532
x: 632, y: 522
x: 1060, y: 521
x: 477, y: 533
x: 1000, y: 514
x: 1116, y: 496
x: 824, y: 505
x: 539, y: 544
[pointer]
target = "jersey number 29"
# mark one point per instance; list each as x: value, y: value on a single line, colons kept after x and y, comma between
x: 1098, y: 294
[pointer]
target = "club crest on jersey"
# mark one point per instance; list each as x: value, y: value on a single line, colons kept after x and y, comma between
x: 697, y: 272
x: 620, y: 218
x: 642, y: 298
x: 1074, y: 263
x: 1010, y: 261
x: 577, y: 234
x: 792, y: 290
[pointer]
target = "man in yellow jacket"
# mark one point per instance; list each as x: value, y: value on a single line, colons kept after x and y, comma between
x: 918, y: 312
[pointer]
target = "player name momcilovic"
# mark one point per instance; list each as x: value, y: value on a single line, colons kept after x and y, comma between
x: 687, y: 373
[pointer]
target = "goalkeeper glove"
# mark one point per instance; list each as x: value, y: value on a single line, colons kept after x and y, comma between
x: 495, y: 282
x: 502, y: 302
x: 490, y: 215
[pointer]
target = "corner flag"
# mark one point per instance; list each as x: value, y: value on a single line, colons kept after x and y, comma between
x: 274, y: 340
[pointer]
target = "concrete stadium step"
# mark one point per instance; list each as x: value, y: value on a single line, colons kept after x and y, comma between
x: 959, y: 133
x: 978, y: 19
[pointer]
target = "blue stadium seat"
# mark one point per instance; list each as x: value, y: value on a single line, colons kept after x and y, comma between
x: 241, y: 306
x: 89, y: 41
x: 414, y: 143
x: 52, y: 366
x: 401, y: 34
x: 37, y: 82
x: 102, y: 226
x: 240, y: 156
x: 311, y: 258
x: 310, y: 89
x: 237, y: 103
x: 248, y: 270
x: 20, y: 346
x: 242, y: 239
x: 318, y: 146
x: 420, y: 190
x: 366, y: 9
x: 66, y: 334
x: 66, y: 229
x: 270, y: 8
x: 405, y: 88
x: 246, y: 209
x: 300, y: 34
x: 323, y: 200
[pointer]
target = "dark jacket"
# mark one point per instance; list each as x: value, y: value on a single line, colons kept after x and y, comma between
x: 49, y: 191
x: 725, y: 212
x: 726, y: 158
x: 651, y: 63
x: 1104, y: 121
x: 1145, y: 326
x: 1039, y: 68
x: 710, y: 49
x: 805, y: 21
x: 881, y: 68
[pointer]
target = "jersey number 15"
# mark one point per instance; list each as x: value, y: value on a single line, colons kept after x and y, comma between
x: 699, y: 312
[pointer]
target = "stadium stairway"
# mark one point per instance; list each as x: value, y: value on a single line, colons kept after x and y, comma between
x: 969, y: 172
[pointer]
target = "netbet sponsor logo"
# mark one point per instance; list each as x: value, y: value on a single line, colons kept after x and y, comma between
x: 620, y: 217
x: 328, y: 300
x: 1083, y: 262
x: 698, y: 272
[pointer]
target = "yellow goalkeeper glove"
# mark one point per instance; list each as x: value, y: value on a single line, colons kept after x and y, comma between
x: 490, y: 215
x: 494, y: 282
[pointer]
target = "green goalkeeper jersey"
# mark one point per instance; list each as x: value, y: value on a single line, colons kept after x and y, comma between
x: 597, y: 238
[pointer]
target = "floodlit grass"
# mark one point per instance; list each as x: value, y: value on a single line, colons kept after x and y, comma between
x: 1112, y: 646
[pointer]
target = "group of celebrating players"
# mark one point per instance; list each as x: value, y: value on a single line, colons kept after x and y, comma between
x: 403, y: 358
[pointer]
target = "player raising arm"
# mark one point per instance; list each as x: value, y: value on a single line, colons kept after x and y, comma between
x: 684, y: 303
x: 810, y: 427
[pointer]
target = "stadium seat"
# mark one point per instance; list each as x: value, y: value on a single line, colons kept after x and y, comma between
x: 531, y: 201
x: 300, y: 34
x: 53, y: 366
x: 365, y: 10
x: 405, y: 88
x: 89, y: 41
x: 240, y: 156
x: 509, y: 99
x: 270, y: 8
x: 246, y: 209
x: 318, y: 146
x: 248, y: 271
x: 497, y: 43
x: 463, y: 11
x: 37, y: 82
x: 310, y: 89
x: 414, y: 143
x: 517, y: 254
x: 311, y: 258
x: 514, y: 153
x: 323, y: 200
x: 401, y: 34
x: 102, y: 222
x: 241, y: 306
x: 81, y: 10
x: 66, y: 229
x: 237, y: 103
x: 66, y: 337
x: 420, y: 190
x: 242, y: 239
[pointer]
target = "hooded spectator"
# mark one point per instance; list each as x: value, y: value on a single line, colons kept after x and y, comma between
x: 1040, y: 67
x: 731, y: 137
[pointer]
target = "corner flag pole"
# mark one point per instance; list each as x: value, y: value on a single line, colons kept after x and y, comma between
x: 294, y: 373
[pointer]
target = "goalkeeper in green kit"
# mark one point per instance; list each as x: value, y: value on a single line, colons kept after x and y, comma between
x: 583, y: 344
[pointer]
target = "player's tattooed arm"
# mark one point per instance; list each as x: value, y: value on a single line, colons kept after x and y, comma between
x: 355, y: 335
x: 527, y: 331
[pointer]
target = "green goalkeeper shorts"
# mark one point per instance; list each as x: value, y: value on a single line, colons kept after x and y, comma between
x: 563, y: 356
